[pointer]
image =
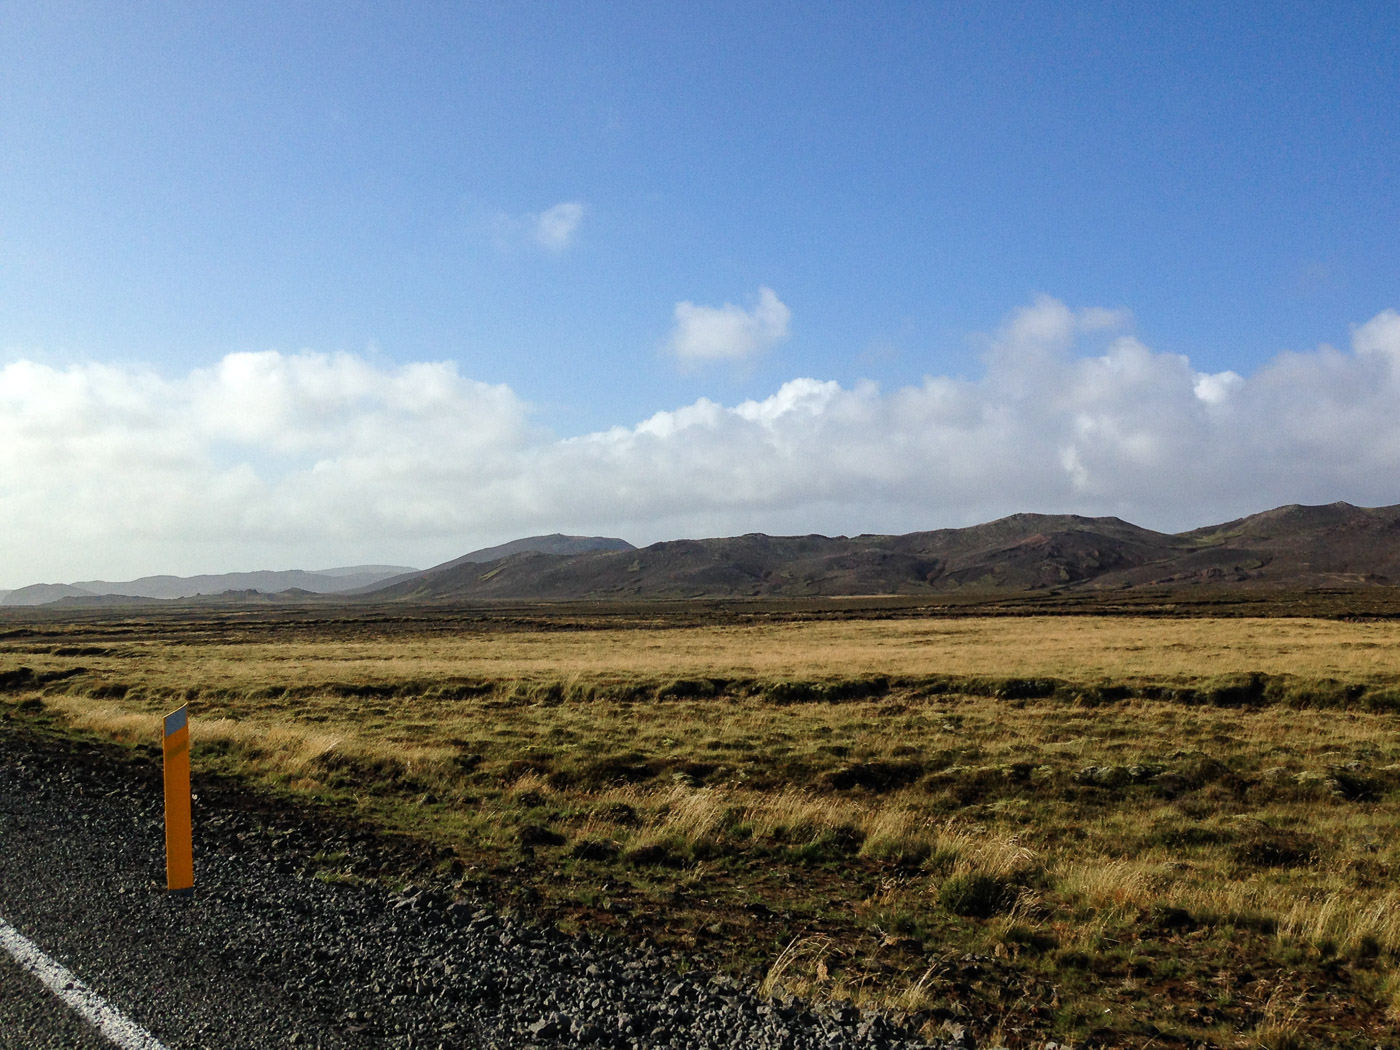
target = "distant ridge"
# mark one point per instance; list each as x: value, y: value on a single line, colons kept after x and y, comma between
x: 325, y: 581
x: 43, y: 593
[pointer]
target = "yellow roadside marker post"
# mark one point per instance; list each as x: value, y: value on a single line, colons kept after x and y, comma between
x: 179, y: 850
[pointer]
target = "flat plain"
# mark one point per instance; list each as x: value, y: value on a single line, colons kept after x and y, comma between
x: 1105, y: 830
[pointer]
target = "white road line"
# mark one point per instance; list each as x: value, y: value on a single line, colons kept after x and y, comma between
x: 63, y: 983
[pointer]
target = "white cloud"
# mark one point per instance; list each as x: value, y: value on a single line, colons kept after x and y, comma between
x: 277, y: 460
x: 729, y: 332
x: 1380, y: 335
x: 554, y: 228
x: 1215, y: 388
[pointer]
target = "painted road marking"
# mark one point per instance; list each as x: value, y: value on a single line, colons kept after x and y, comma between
x: 63, y: 983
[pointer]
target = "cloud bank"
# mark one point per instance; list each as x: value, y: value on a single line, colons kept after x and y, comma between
x: 308, y: 460
x: 729, y: 332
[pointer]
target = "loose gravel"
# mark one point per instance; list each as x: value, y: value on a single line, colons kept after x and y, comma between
x: 264, y: 954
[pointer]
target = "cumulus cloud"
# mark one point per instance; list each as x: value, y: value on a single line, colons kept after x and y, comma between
x: 729, y: 332
x: 274, y: 460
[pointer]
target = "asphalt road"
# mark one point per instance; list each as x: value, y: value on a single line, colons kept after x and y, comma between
x: 265, y: 955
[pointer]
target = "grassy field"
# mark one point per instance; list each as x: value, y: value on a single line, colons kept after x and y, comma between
x: 1107, y: 831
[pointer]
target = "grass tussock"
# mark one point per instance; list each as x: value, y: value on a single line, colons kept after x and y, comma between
x: 1134, y: 832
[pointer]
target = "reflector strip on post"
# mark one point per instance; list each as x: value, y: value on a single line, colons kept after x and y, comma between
x: 179, y: 850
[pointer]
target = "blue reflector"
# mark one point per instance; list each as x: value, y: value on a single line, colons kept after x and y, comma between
x: 177, y: 720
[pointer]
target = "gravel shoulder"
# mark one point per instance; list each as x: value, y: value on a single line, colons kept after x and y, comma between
x: 265, y: 954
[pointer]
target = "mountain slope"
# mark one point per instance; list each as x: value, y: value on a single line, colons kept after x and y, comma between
x: 554, y: 543
x: 557, y: 544
x: 1335, y: 545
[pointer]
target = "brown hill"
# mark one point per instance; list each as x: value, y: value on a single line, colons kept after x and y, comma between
x: 1295, y: 547
x: 1336, y: 545
x: 554, y: 543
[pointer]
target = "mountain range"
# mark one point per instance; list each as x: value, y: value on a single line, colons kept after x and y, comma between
x: 1298, y: 547
x: 355, y: 579
x: 1337, y: 545
x: 321, y: 581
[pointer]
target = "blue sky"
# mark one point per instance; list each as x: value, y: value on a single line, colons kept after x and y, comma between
x: 588, y: 215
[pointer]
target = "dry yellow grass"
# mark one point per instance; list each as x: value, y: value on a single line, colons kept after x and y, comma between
x: 1080, y: 648
x: 474, y: 736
